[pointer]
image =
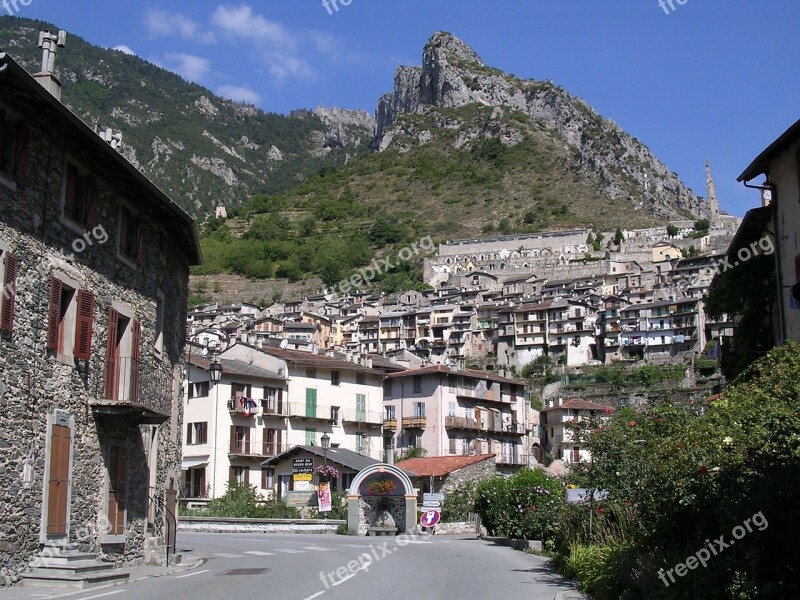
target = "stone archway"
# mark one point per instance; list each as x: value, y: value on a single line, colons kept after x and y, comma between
x: 378, y: 488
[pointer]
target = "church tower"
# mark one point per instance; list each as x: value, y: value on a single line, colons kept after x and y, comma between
x: 711, y: 198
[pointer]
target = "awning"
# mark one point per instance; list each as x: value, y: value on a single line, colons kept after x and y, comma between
x: 191, y: 462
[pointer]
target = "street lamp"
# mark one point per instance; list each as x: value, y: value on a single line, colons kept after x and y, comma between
x: 326, y: 443
x: 215, y: 370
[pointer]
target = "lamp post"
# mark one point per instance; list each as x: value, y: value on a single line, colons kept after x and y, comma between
x: 215, y: 371
x: 326, y: 442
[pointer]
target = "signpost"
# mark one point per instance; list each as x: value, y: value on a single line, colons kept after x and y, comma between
x: 302, y: 465
x: 433, y: 497
x: 431, y: 504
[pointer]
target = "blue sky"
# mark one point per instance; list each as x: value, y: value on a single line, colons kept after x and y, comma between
x: 711, y: 79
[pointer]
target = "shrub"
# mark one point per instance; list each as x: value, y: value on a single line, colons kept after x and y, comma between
x: 460, y: 502
x: 244, y: 502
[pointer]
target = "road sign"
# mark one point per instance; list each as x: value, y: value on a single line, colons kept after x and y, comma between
x: 431, y: 504
x: 302, y: 465
x: 434, y: 497
x: 430, y: 518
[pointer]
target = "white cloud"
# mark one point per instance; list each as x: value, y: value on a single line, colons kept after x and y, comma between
x: 160, y: 23
x: 239, y: 94
x: 190, y: 67
x: 125, y: 49
x: 276, y: 46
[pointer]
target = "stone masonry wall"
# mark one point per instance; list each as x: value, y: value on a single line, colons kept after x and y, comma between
x: 34, y: 382
x: 475, y: 472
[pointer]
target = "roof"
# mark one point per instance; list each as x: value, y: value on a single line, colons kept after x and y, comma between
x: 439, y: 466
x: 761, y: 163
x: 340, y: 456
x: 236, y: 367
x: 463, y: 372
x: 578, y: 404
x: 176, y: 218
x: 310, y: 359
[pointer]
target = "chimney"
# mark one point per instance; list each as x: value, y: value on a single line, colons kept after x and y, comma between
x: 49, y: 43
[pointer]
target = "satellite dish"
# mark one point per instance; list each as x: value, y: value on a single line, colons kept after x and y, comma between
x: 284, y: 344
x: 204, y: 351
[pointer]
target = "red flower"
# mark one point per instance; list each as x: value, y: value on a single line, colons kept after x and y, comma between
x: 703, y: 471
x: 601, y: 510
x: 632, y: 423
x: 608, y: 411
x: 628, y: 501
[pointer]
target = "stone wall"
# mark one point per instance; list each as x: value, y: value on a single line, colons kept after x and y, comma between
x: 368, y: 508
x: 475, y: 472
x: 35, y: 382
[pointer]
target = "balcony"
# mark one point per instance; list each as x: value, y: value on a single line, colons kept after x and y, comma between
x: 244, y: 447
x: 135, y: 390
x: 390, y: 424
x: 275, y: 409
x: 470, y: 424
x: 362, y: 416
x: 512, y: 459
x: 417, y: 422
x: 242, y: 407
x: 312, y: 412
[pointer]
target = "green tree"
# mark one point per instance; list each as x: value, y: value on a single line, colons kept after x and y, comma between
x: 618, y: 237
x: 702, y: 225
x: 672, y: 230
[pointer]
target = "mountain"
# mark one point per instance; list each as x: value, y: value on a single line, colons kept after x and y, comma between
x: 201, y: 149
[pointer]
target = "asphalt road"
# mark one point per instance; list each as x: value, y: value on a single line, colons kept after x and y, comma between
x: 332, y: 567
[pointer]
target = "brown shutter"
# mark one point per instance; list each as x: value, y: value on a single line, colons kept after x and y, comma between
x: 90, y: 196
x: 139, y: 243
x: 21, y: 155
x: 203, y: 433
x: 279, y: 441
x: 53, y: 313
x: 264, y: 471
x: 231, y: 474
x: 8, y: 294
x: 188, y: 433
x: 247, y: 475
x: 136, y: 344
x: 233, y: 438
x: 83, y: 329
x: 112, y: 367
x: 247, y: 440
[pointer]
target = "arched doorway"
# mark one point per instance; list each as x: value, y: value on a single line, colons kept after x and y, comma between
x: 377, y: 490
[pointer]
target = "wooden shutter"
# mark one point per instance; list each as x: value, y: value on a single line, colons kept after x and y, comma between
x: 136, y: 344
x: 91, y: 221
x: 189, y: 433
x: 232, y: 474
x: 139, y: 243
x: 233, y: 438
x: 247, y: 440
x: 203, y: 433
x: 21, y: 155
x: 112, y: 360
x: 83, y: 329
x: 8, y: 294
x: 247, y: 475
x: 53, y: 313
x: 264, y: 471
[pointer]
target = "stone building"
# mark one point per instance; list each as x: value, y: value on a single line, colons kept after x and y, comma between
x: 94, y: 259
x: 445, y: 474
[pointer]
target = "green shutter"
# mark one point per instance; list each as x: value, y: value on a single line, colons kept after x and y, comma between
x: 311, y: 437
x: 361, y: 408
x: 311, y: 403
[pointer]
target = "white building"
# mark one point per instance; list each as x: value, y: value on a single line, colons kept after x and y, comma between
x: 267, y: 401
x: 557, y: 438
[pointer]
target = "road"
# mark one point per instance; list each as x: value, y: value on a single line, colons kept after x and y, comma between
x: 331, y: 567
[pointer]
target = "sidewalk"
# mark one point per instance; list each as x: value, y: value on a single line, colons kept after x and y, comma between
x: 189, y: 561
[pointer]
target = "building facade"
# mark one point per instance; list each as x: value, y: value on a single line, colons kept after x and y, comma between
x: 95, y: 262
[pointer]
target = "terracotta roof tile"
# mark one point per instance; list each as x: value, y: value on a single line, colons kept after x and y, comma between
x: 438, y: 466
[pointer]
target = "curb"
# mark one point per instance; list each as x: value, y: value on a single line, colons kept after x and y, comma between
x: 571, y: 596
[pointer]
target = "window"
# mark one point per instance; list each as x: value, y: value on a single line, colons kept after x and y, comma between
x: 78, y: 196
x: 8, y: 293
x: 389, y: 412
x: 451, y: 409
x: 240, y: 439
x: 70, y: 315
x: 419, y: 410
x: 452, y: 446
x: 272, y: 404
x: 412, y: 440
x: 240, y: 475
x: 159, y: 334
x: 361, y: 408
x: 198, y: 389
x: 387, y: 387
x: 334, y: 415
x: 360, y: 379
x: 417, y: 384
x: 196, y: 433
x: 122, y: 357
x: 14, y: 137
x: 335, y: 377
x: 311, y: 437
x: 130, y: 235
x: 272, y: 442
x: 267, y: 478
x: 362, y: 443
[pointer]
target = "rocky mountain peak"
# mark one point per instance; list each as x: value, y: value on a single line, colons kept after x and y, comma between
x: 444, y: 47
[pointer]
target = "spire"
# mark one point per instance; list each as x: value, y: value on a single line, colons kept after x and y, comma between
x: 711, y: 193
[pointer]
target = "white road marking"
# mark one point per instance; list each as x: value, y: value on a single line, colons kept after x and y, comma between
x: 223, y: 555
x: 355, y: 545
x: 317, y: 548
x: 184, y: 576
x: 417, y: 542
x: 317, y: 595
x: 101, y: 595
x: 343, y: 579
x: 289, y: 551
x: 259, y: 553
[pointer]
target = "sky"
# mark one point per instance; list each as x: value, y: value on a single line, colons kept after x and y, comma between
x: 694, y: 80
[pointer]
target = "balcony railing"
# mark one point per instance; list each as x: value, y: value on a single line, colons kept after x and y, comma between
x: 197, y: 491
x: 362, y: 416
x: 245, y: 447
x: 245, y: 407
x: 277, y: 409
x: 471, y: 424
x: 390, y: 424
x: 309, y: 411
x: 130, y: 381
x: 513, y: 459
x: 414, y: 422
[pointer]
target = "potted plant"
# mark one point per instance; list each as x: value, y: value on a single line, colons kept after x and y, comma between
x: 326, y: 473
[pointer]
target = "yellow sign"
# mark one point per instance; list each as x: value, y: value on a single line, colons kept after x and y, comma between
x: 302, y: 476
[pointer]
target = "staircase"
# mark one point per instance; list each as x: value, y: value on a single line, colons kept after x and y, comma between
x: 64, y: 566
